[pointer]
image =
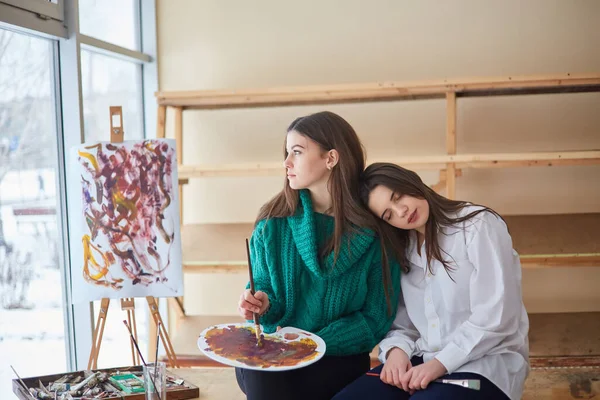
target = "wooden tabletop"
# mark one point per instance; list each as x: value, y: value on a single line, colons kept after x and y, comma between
x: 214, y: 383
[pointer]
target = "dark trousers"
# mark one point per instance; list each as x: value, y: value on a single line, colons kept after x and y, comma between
x: 321, y: 380
x: 371, y: 387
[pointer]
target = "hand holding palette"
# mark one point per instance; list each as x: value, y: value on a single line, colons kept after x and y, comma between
x: 235, y: 345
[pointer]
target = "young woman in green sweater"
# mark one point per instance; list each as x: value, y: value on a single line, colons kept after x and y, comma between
x: 318, y: 263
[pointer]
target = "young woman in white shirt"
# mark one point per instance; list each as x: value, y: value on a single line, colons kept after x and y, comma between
x: 461, y: 313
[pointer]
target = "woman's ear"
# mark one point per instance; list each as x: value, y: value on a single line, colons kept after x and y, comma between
x: 332, y: 159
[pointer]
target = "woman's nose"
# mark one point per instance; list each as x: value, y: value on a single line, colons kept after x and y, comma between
x: 287, y: 163
x: 400, y: 210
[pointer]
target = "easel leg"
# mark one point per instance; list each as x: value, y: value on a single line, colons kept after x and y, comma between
x: 136, y: 357
x: 164, y: 336
x: 98, y: 332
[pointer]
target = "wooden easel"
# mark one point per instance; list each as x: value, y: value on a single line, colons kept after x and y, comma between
x: 127, y: 304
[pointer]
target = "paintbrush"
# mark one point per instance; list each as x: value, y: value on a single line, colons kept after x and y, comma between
x: 156, y: 354
x: 141, y: 357
x: 22, y: 383
x: 257, y: 329
x: 474, y: 384
x: 135, y: 343
x: 157, y: 342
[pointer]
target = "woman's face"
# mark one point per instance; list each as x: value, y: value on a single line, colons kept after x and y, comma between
x: 306, y: 162
x: 401, y: 211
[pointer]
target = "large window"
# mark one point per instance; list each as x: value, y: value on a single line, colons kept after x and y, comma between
x: 31, y: 295
x: 62, y: 64
x: 108, y: 81
x: 113, y: 80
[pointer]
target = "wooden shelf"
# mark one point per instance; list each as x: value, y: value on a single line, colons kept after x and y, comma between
x: 548, y: 332
x: 215, y: 247
x: 542, y: 241
x: 483, y: 160
x: 558, y: 240
x: 379, y: 91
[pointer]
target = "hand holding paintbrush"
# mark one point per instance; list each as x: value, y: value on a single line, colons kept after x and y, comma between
x: 252, y: 292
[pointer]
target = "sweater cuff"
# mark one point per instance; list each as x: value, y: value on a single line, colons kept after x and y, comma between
x: 452, y: 357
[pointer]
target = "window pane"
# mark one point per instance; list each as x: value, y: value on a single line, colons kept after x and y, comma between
x: 31, y: 300
x: 109, y: 82
x: 116, y: 348
x: 114, y: 21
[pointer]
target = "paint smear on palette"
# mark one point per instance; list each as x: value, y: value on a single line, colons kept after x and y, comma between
x: 239, y: 343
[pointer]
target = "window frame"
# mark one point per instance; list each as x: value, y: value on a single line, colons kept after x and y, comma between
x: 44, y: 9
x: 60, y: 23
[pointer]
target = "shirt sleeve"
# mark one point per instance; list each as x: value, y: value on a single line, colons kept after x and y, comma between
x: 402, y: 335
x: 495, y: 294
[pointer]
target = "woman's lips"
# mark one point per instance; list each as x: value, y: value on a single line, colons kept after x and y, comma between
x: 412, y: 217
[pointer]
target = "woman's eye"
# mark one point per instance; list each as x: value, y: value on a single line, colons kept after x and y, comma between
x: 297, y: 153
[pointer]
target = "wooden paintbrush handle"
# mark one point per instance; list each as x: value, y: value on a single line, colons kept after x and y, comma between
x: 254, y: 315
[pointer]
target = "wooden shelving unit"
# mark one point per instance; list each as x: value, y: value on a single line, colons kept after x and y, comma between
x: 543, y: 241
x: 210, y: 252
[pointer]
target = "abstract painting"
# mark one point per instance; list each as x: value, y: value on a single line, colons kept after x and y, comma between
x: 124, y: 220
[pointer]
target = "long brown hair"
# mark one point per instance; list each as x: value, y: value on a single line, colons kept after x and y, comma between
x: 442, y: 210
x: 330, y: 131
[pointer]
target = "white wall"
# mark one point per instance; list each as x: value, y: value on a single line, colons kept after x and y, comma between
x: 212, y: 44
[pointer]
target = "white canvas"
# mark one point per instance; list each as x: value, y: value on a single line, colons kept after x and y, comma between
x: 124, y: 220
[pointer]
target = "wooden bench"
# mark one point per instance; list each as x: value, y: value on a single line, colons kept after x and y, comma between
x: 543, y: 383
x: 564, y: 350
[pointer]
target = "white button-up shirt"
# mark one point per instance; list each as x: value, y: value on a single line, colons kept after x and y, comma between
x: 476, y: 323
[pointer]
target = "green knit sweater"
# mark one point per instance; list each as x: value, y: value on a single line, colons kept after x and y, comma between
x: 343, y: 303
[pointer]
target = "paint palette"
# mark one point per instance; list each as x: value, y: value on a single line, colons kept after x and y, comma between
x: 235, y: 345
